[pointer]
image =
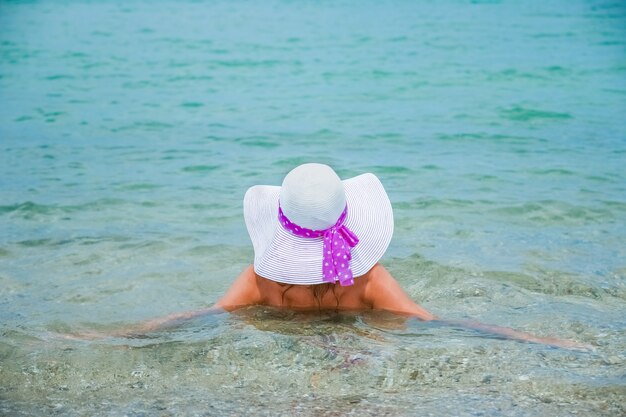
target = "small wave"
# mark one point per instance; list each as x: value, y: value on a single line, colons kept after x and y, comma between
x: 139, y: 186
x: 140, y: 84
x: 439, y: 203
x: 77, y: 240
x: 602, y: 179
x: 150, y: 125
x: 178, y: 78
x: 201, y: 168
x: 258, y: 141
x: 558, y: 70
x: 556, y: 212
x: 29, y: 210
x: 291, y: 162
x: 204, y: 207
x: 388, y: 136
x: 513, y: 75
x: 615, y: 205
x: 192, y: 104
x: 522, y: 114
x: 492, y: 138
x: 59, y: 77
x: 391, y: 169
x: 553, y: 172
x: 246, y: 63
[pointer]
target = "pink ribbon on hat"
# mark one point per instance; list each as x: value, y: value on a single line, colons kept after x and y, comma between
x: 338, y: 242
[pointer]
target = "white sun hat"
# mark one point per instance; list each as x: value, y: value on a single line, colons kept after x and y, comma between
x: 314, y: 199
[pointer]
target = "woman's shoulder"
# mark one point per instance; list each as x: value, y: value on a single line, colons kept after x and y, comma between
x: 243, y: 292
x: 374, y: 275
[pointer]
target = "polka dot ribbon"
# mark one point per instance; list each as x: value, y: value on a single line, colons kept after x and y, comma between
x: 338, y: 242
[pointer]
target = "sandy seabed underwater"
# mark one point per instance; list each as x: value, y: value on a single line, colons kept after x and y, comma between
x: 129, y: 133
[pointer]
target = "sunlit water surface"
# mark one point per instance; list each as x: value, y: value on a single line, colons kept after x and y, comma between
x: 129, y: 132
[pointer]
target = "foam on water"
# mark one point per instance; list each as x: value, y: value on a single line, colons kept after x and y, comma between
x: 130, y: 132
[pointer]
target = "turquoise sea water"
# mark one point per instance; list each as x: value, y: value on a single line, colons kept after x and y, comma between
x: 129, y: 132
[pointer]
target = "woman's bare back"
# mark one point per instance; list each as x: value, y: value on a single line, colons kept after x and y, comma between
x: 377, y: 289
x: 311, y: 297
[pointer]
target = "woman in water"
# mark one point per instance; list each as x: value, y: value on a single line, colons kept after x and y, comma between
x: 317, y: 242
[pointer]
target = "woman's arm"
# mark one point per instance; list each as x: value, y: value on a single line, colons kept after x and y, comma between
x: 243, y: 292
x: 509, y: 333
x: 384, y: 293
x: 140, y: 329
x: 170, y: 320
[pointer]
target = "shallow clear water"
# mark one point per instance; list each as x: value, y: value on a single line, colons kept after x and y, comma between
x: 130, y: 132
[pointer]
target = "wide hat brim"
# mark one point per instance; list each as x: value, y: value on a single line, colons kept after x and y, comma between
x: 283, y: 257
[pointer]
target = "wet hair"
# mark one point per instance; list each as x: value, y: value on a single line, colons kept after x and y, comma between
x: 318, y: 291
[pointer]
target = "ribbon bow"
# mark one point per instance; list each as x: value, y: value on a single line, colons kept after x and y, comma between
x: 338, y: 242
